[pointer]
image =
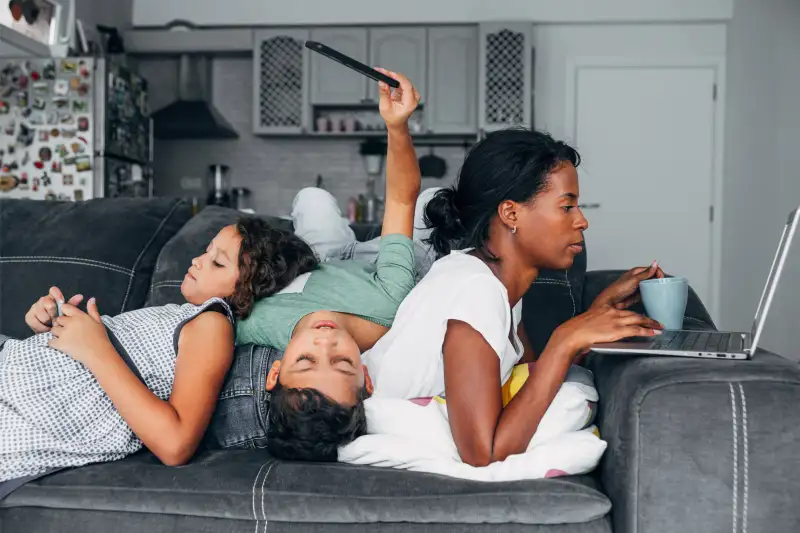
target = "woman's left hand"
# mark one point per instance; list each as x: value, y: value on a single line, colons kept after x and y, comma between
x: 80, y: 335
x: 624, y: 292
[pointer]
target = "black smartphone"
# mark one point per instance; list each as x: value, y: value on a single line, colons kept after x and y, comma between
x: 352, y: 63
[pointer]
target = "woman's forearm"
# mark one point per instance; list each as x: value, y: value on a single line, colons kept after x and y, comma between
x: 154, y: 421
x: 521, y: 417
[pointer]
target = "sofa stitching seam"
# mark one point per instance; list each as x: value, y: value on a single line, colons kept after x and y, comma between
x: 746, y: 459
x: 67, y: 261
x: 735, y: 459
x: 144, y: 249
x: 34, y: 258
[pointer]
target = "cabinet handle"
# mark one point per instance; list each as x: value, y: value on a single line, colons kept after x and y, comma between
x: 589, y: 206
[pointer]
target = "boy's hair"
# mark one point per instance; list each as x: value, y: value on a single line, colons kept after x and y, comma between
x: 306, y: 425
x: 269, y: 259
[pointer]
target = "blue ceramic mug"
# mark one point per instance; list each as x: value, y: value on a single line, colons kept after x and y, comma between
x: 665, y: 300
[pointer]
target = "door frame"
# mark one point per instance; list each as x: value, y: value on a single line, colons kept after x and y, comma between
x: 575, y: 64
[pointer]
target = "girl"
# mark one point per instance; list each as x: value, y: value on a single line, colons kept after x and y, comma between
x: 90, y: 388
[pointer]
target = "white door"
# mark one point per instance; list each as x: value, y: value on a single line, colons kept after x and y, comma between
x: 646, y: 137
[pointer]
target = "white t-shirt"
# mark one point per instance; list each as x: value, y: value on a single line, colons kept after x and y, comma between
x: 407, y: 362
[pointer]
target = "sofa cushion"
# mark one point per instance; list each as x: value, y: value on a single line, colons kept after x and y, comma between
x: 555, y: 297
x: 105, y: 248
x: 250, y: 485
x: 176, y: 256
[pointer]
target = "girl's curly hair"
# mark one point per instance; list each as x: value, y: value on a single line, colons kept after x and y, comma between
x: 269, y: 259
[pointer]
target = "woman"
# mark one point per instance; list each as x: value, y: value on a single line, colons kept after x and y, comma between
x: 89, y: 388
x: 513, y: 212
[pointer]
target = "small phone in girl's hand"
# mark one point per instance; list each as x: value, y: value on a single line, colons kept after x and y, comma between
x: 58, y: 308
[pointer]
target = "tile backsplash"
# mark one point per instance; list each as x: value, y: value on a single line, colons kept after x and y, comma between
x: 273, y: 168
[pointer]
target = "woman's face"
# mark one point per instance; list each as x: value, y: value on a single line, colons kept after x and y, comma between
x: 550, y: 227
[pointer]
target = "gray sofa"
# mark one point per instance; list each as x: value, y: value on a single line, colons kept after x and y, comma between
x: 707, y: 446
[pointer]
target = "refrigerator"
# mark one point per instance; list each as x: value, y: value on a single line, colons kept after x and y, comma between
x: 73, y: 128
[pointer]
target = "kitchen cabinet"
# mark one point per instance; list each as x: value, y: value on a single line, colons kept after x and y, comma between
x: 452, y: 102
x: 401, y: 49
x: 331, y: 82
x: 281, y: 81
x: 504, y: 75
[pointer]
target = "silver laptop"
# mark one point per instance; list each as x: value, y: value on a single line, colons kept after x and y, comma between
x: 708, y: 344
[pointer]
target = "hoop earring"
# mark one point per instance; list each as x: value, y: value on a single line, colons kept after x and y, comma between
x: 513, y: 230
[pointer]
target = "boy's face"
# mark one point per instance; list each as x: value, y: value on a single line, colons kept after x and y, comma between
x: 322, y: 355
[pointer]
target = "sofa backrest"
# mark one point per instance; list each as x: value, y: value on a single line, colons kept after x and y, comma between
x: 103, y: 248
x: 556, y: 296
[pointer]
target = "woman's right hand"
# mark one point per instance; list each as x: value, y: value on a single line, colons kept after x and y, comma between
x: 41, y: 314
x: 604, y: 324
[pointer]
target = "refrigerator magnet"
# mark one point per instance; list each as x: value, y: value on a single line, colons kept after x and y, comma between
x: 6, y: 91
x: 52, y: 117
x: 35, y: 76
x: 45, y: 154
x: 8, y: 182
x: 50, y: 196
x: 68, y: 179
x: 78, y: 195
x: 10, y: 128
x: 44, y: 136
x: 68, y: 65
x: 46, y: 181
x: 23, y: 179
x: 61, y: 87
x: 69, y: 160
x: 83, y: 163
x: 77, y: 148
x: 75, y: 83
x: 80, y: 106
x: 56, y: 167
x: 55, y: 132
x: 26, y: 158
x: 38, y: 164
x: 41, y: 87
x: 61, y: 150
x: 66, y: 118
x: 22, y: 99
x: 39, y: 103
x: 83, y: 124
x: 68, y: 133
x: 4, y: 108
x: 83, y: 68
x: 60, y: 102
x: 49, y: 70
x: 83, y: 90
x: 63, y: 197
x: 22, y: 81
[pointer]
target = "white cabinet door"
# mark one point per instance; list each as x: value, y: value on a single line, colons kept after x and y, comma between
x: 400, y: 49
x: 280, y: 81
x: 452, y: 79
x: 332, y: 82
x: 504, y: 76
x: 647, y: 143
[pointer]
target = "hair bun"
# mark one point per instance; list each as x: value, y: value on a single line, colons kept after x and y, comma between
x: 442, y: 216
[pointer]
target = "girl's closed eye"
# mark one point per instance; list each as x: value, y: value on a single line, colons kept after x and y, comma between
x: 567, y: 208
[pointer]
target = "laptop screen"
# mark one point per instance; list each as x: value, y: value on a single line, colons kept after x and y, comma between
x: 774, y: 276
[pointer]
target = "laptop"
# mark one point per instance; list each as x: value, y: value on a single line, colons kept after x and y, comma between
x: 712, y: 344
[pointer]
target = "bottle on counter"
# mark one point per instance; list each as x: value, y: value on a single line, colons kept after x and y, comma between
x: 352, y: 210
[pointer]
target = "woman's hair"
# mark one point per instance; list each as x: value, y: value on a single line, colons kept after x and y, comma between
x: 269, y: 259
x: 511, y: 164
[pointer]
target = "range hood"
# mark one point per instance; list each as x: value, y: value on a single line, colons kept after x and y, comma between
x: 193, y: 115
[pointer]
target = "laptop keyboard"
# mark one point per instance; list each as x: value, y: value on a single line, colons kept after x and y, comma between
x: 701, y: 341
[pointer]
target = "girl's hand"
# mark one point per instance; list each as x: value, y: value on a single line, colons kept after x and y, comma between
x: 41, y: 314
x: 624, y: 292
x: 396, y: 105
x: 80, y: 335
x: 605, y: 324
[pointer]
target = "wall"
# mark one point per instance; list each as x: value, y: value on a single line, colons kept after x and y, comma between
x: 117, y: 13
x: 555, y: 44
x: 761, y: 165
x: 274, y: 169
x: 262, y: 12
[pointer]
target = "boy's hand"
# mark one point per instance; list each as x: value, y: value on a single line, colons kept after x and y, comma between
x: 396, y: 105
x: 41, y: 314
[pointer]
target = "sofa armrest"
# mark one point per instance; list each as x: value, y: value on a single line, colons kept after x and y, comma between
x: 696, y: 316
x: 699, y: 445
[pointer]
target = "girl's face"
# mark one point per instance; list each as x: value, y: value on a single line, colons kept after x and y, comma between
x: 215, y: 273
